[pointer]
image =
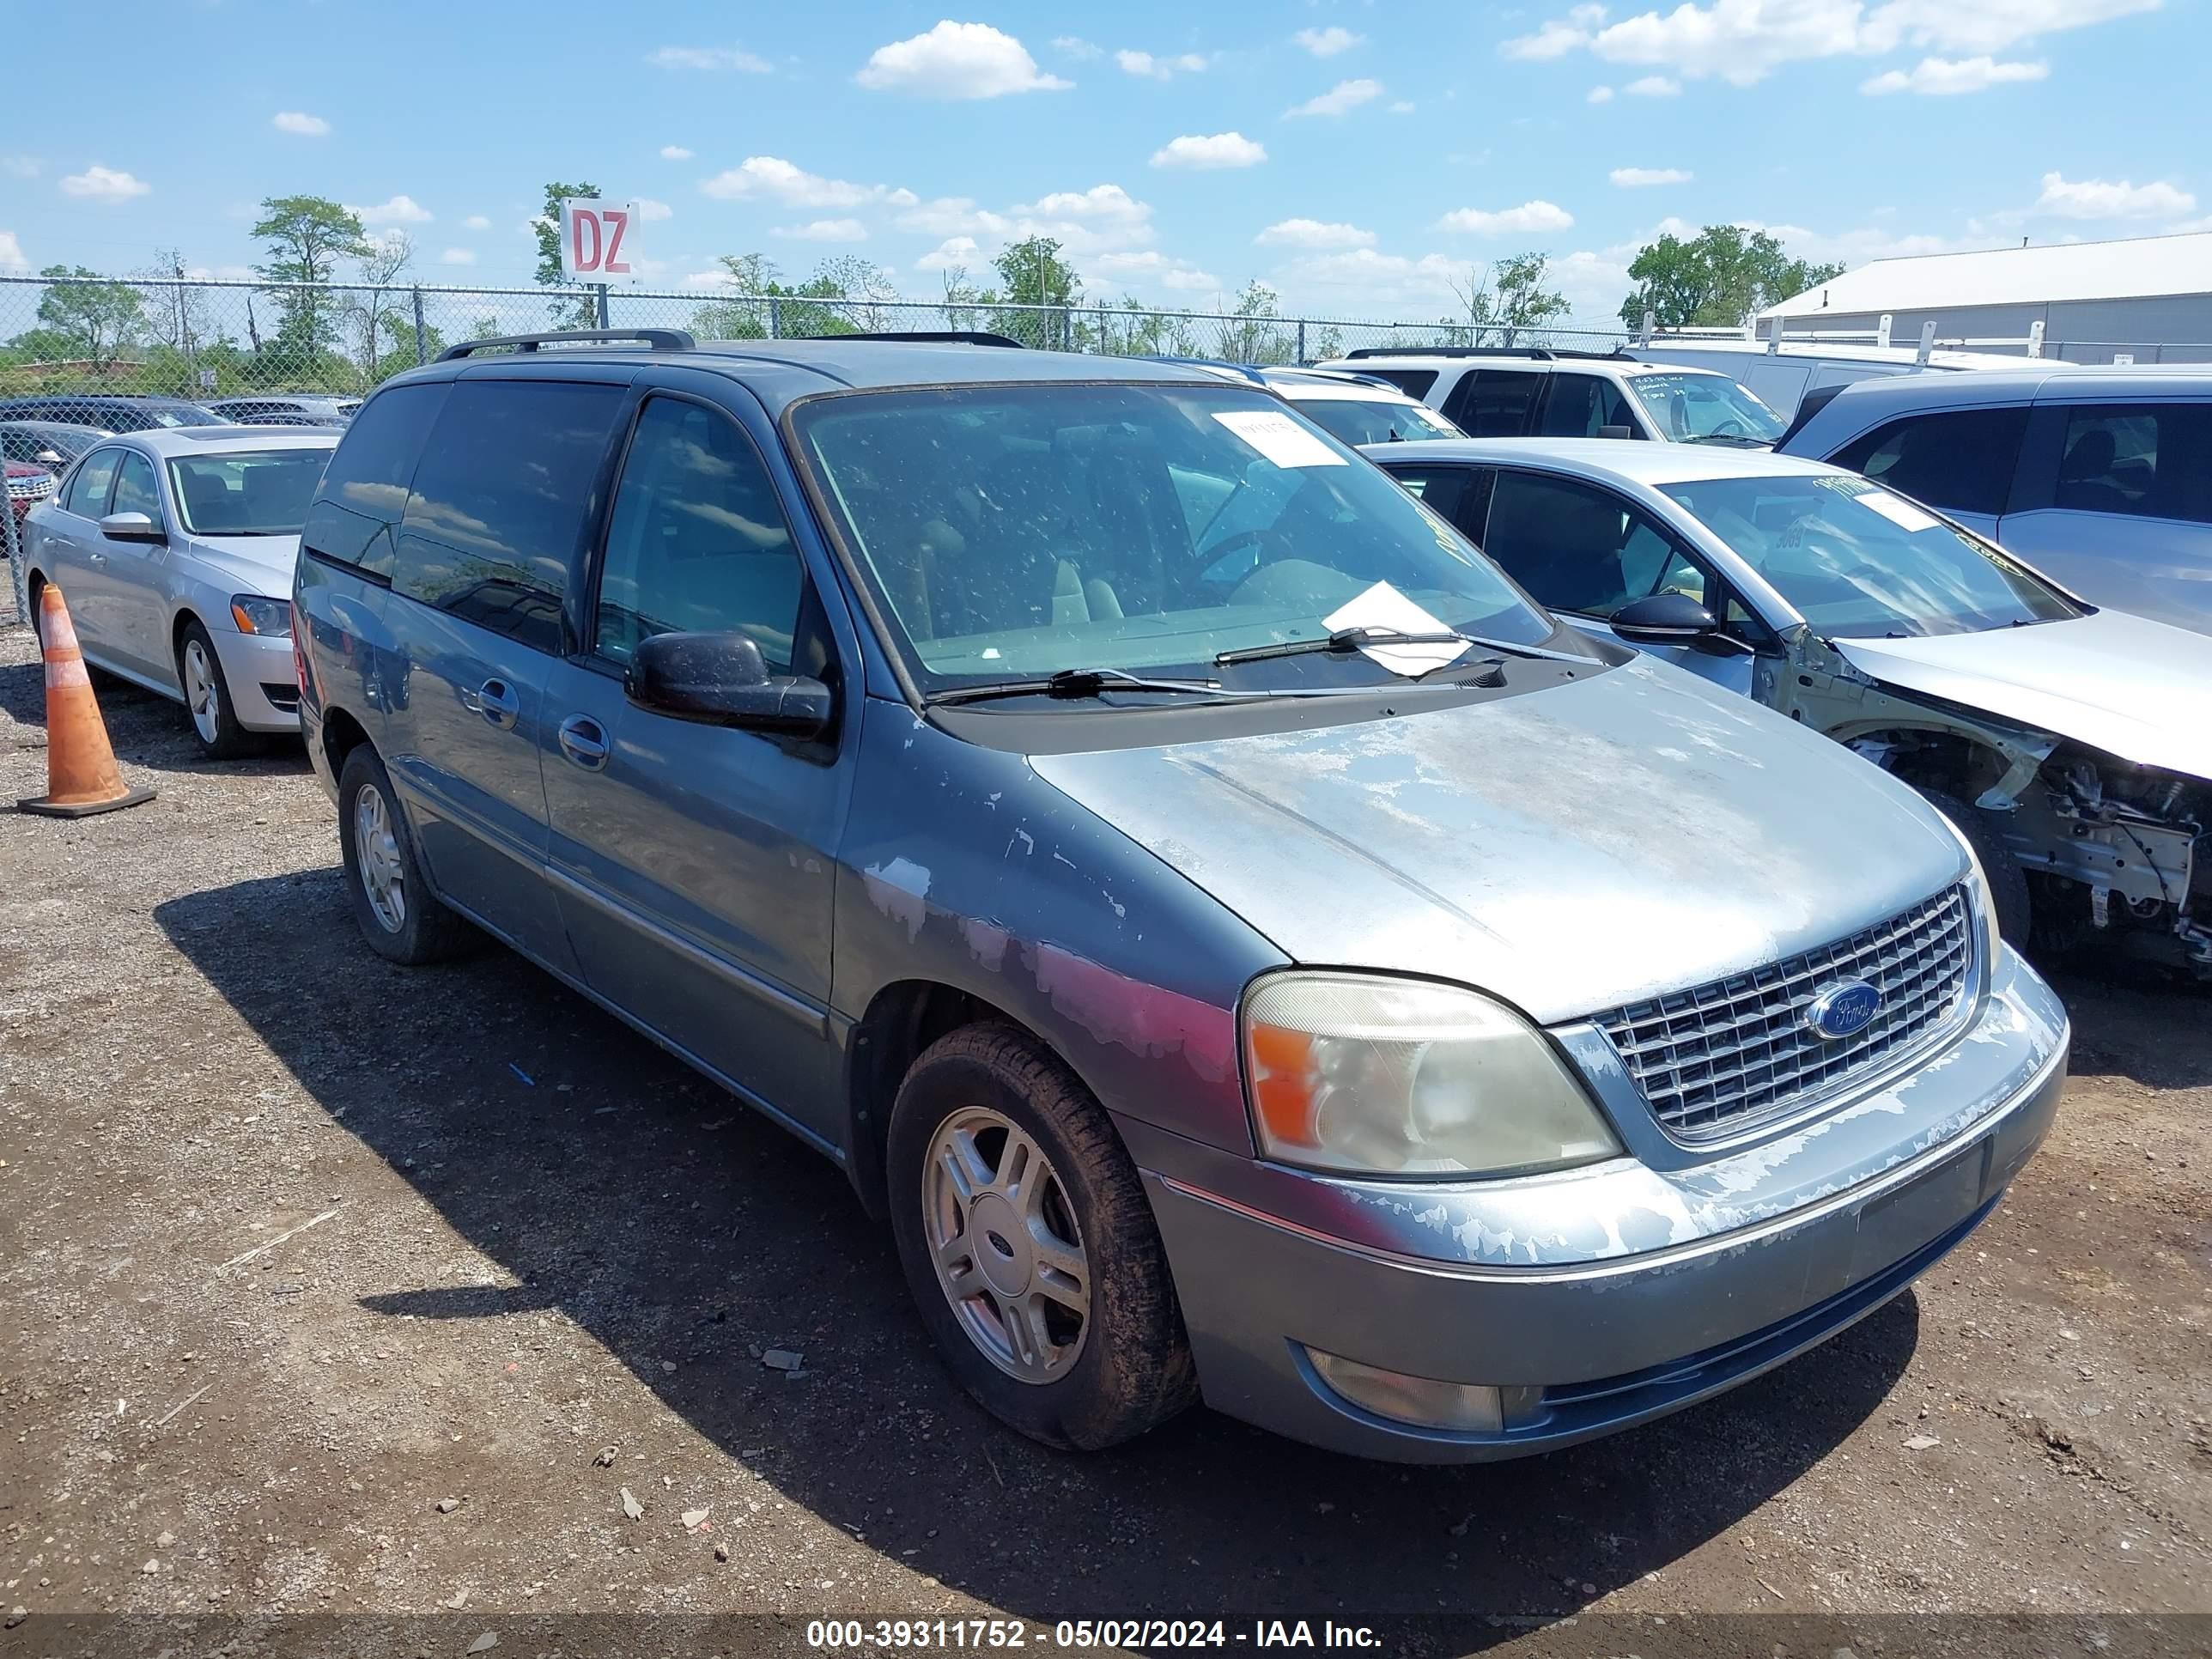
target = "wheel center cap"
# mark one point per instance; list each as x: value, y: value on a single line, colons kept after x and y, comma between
x: 1002, y: 1244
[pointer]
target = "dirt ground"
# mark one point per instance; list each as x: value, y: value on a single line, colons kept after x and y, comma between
x: 327, y: 1286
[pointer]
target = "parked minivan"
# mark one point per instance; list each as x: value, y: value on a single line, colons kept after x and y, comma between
x: 2102, y: 477
x: 1245, y: 947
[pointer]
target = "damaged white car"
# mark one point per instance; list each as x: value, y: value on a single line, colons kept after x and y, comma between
x: 2072, y: 744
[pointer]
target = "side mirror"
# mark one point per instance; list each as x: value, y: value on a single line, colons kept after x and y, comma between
x: 722, y: 680
x: 130, y: 527
x: 1673, y: 619
x: 51, y: 458
x: 1616, y: 432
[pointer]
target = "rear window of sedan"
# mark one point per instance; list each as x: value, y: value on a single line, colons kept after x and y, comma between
x: 257, y: 492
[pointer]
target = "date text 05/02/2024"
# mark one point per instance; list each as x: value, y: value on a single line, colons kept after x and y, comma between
x: 880, y: 1633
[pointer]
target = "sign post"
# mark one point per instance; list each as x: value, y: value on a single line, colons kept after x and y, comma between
x: 596, y: 246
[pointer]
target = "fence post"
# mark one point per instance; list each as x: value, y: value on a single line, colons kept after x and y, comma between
x: 774, y: 319
x: 1302, y: 339
x: 421, y: 340
x: 601, y: 297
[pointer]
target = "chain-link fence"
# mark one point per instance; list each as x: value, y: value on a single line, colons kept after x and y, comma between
x: 216, y: 341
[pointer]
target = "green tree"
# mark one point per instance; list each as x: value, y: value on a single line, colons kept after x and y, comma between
x: 305, y: 236
x: 376, y: 313
x: 1250, y: 334
x: 1032, y: 273
x: 1499, y: 302
x: 1717, y: 278
x: 571, y: 310
x: 93, y: 320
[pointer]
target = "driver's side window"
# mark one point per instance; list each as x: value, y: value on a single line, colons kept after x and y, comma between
x: 1581, y: 549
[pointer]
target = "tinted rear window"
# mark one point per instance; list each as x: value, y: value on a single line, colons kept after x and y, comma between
x: 1962, y: 459
x: 1414, y: 382
x: 364, y: 488
x: 500, y: 502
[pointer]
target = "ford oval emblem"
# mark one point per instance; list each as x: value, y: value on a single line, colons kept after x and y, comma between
x: 1845, y: 1009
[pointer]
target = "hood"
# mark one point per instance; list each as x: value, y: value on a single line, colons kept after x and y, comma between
x: 259, y: 564
x: 2137, y: 689
x: 1569, y: 850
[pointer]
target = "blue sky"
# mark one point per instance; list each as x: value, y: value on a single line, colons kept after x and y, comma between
x: 1357, y: 158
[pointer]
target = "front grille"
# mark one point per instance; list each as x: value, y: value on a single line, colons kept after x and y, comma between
x: 23, y: 489
x: 1714, y: 1060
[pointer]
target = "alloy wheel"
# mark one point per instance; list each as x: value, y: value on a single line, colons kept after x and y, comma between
x: 376, y: 852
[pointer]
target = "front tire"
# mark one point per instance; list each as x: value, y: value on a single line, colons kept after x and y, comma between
x: 398, y: 916
x: 207, y: 697
x: 1029, y: 1245
x: 2007, y: 881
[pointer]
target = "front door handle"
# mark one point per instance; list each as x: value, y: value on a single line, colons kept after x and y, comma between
x: 496, y: 701
x: 584, y: 741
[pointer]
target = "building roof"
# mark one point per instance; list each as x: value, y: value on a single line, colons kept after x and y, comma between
x: 2133, y: 269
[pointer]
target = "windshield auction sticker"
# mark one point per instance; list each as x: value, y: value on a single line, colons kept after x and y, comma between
x: 1280, y: 438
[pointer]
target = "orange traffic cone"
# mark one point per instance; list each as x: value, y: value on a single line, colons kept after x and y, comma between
x: 81, y: 777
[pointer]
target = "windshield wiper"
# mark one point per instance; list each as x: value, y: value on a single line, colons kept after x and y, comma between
x: 1085, y: 683
x: 1342, y: 640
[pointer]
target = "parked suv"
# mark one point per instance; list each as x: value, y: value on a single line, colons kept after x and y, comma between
x: 1496, y: 391
x: 2100, y: 476
x: 1245, y: 946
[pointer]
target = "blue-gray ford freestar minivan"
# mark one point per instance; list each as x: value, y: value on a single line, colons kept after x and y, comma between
x: 1247, y: 949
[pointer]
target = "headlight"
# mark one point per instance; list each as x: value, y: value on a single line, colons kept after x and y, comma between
x: 255, y: 615
x: 1401, y: 1076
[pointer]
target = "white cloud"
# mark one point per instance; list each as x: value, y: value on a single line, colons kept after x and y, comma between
x: 1941, y: 76
x: 11, y: 252
x: 299, y: 122
x: 1370, y: 280
x: 2105, y: 199
x: 953, y: 215
x: 1598, y: 95
x: 1221, y: 149
x: 777, y: 180
x: 475, y: 222
x: 649, y: 211
x: 1644, y: 178
x: 1160, y: 68
x: 1341, y: 99
x: 1592, y: 284
x: 1102, y: 219
x: 1402, y: 106
x: 458, y: 256
x: 99, y: 183
x: 1655, y: 86
x: 1314, y: 233
x: 1742, y: 41
x: 399, y: 210
x: 674, y: 153
x: 707, y: 281
x: 954, y: 252
x: 709, y: 58
x: 1327, y: 43
x: 957, y: 60
x: 824, y: 230
x: 1152, y: 266
x: 1530, y: 217
x: 1074, y: 45
x: 21, y: 167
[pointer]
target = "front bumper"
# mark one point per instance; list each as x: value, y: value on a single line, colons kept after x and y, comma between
x: 1586, y: 1346
x: 264, y: 689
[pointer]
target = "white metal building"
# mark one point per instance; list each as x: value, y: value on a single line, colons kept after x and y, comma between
x: 2149, y: 298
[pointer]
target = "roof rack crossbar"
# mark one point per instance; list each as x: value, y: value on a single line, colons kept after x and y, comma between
x: 933, y: 336
x: 656, y: 339
x: 1544, y: 354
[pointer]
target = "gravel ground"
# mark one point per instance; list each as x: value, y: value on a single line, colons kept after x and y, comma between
x: 330, y: 1287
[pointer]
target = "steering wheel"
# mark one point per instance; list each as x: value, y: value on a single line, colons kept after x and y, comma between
x: 1218, y: 554
x: 1730, y: 428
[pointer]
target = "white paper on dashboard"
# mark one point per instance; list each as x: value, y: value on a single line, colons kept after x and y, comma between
x: 1898, y: 510
x: 1280, y: 438
x: 1384, y: 606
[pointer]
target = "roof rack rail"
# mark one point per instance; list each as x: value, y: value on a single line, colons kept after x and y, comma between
x: 933, y: 336
x: 1544, y: 353
x: 656, y: 339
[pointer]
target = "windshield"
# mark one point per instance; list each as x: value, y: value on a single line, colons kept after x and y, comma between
x: 1011, y: 531
x: 1704, y: 409
x: 1859, y: 561
x: 260, y: 492
x: 1375, y: 421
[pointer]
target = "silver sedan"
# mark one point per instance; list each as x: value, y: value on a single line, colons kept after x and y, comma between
x: 174, y: 550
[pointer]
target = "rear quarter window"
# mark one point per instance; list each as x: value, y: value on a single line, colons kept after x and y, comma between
x: 1962, y: 460
x: 500, y: 502
x: 364, y: 488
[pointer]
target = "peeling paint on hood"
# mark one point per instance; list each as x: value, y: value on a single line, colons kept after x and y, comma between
x: 1569, y: 850
x: 2135, y: 688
